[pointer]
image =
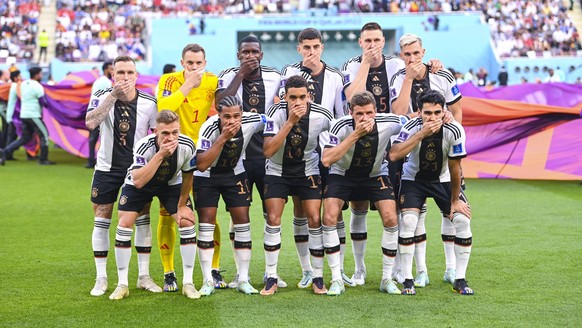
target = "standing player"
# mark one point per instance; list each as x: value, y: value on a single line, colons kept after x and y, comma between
x: 163, y: 165
x: 189, y: 93
x: 359, y: 172
x: 433, y: 169
x: 291, y: 138
x: 103, y: 82
x: 257, y: 86
x: 124, y: 115
x: 405, y: 88
x: 222, y: 142
x: 325, y: 86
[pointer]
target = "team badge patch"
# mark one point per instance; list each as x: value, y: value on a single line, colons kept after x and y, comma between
x: 166, y: 93
x: 140, y: 160
x: 346, y: 78
x: 270, y: 126
x: 205, y: 144
x: 94, y: 102
x: 393, y: 93
x: 455, y: 90
x: 403, y: 136
x: 193, y: 162
x: 220, y: 84
x: 123, y: 200
x: 333, y: 140
x: 94, y: 192
x: 283, y: 82
x: 458, y: 149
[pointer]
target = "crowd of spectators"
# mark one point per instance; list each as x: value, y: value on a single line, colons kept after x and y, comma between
x: 18, y: 25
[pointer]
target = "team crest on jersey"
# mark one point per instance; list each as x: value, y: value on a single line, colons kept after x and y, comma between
x: 333, y: 140
x: 270, y: 126
x: 458, y: 149
x: 402, y: 136
x: 166, y: 93
x: 455, y: 90
x: 94, y: 192
x: 140, y: 160
x: 205, y: 144
x: 94, y: 102
x: 123, y: 200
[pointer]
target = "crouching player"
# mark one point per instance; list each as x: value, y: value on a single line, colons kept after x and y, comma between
x: 163, y: 166
x: 221, y: 145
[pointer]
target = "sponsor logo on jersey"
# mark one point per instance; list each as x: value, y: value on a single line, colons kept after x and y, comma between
x: 166, y: 93
x: 403, y: 136
x: 455, y: 90
x: 205, y: 144
x: 333, y: 140
x: 458, y: 149
x: 140, y: 160
x: 94, y: 102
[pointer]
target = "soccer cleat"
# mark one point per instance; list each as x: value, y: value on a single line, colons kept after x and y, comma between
x: 408, y: 287
x: 246, y: 288
x: 119, y: 293
x: 421, y: 279
x: 207, y: 288
x: 100, y: 287
x: 3, y: 160
x: 397, y: 276
x: 234, y: 283
x: 460, y: 286
x: 337, y: 288
x: 359, y: 277
x: 170, y: 282
x: 147, y: 283
x: 450, y: 275
x: 190, y: 291
x: 217, y: 279
x: 318, y: 286
x: 270, y: 287
x: 347, y: 280
x: 280, y: 282
x: 306, y: 280
x: 389, y: 286
x: 46, y: 162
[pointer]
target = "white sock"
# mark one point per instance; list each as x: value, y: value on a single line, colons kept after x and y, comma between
x: 100, y: 242
x: 448, y: 236
x: 188, y: 252
x: 331, y: 245
x: 316, y: 250
x: 408, y: 224
x: 341, y: 233
x: 143, y: 244
x: 463, y: 243
x: 206, y: 249
x: 123, y: 253
x: 359, y: 235
x: 420, y: 242
x: 272, y: 245
x: 389, y: 246
x: 231, y: 236
x: 301, y: 233
x: 242, y: 247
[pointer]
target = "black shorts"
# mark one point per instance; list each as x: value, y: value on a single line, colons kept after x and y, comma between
x: 413, y: 194
x: 323, y: 173
x: 305, y: 187
x: 234, y: 191
x: 255, y: 169
x: 358, y: 189
x: 133, y: 199
x: 105, y: 186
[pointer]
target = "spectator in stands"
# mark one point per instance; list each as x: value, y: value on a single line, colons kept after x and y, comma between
x: 503, y: 76
x: 482, y: 77
x: 552, y: 77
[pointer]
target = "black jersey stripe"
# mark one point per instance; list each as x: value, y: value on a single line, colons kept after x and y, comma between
x: 269, y: 69
x: 322, y: 110
x: 454, y: 129
x: 390, y: 119
x: 273, y: 109
x: 228, y: 70
x: 146, y: 96
x: 447, y: 75
x: 412, y: 123
x: 144, y: 147
x: 395, y: 76
x: 340, y: 125
x: 357, y: 59
x: 210, y: 130
x: 101, y: 92
x: 186, y: 143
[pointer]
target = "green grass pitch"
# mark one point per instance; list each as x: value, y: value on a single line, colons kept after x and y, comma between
x: 525, y: 265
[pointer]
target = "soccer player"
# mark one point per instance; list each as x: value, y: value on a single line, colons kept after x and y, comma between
x: 291, y: 138
x: 124, y: 115
x: 190, y: 94
x: 433, y: 169
x: 359, y: 173
x: 163, y: 166
x: 222, y: 142
x: 325, y: 85
x: 31, y: 94
x: 103, y: 82
x: 405, y: 88
x: 257, y: 86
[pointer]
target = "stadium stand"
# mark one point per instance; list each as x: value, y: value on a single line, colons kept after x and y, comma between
x: 18, y: 21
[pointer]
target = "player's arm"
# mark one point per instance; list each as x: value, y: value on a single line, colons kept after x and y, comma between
x: 232, y: 88
x: 11, y: 105
x: 184, y: 212
x: 359, y: 82
x: 457, y: 110
x: 174, y: 100
x: 205, y: 159
x: 272, y: 144
x: 141, y: 176
x: 457, y: 205
x: 96, y: 116
x: 334, y: 154
x: 400, y: 105
x: 404, y: 144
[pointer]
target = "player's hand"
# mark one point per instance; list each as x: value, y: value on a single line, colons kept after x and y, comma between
x: 249, y: 65
x: 122, y: 89
x: 435, y: 65
x: 413, y: 70
x: 448, y: 118
x: 229, y: 130
x: 167, y: 147
x: 297, y: 112
x: 460, y: 206
x: 185, y: 213
x: 372, y: 54
x: 431, y: 127
x: 364, y: 127
x: 311, y: 61
x: 194, y: 77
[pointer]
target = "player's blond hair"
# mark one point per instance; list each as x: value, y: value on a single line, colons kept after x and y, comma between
x: 408, y: 39
x: 166, y: 116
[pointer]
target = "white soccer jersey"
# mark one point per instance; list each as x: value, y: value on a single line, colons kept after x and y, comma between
x: 127, y: 123
x: 366, y: 158
x: 229, y: 162
x: 257, y: 96
x: 428, y: 161
x: 326, y: 88
x: 378, y: 81
x: 298, y: 156
x: 169, y: 173
x: 443, y: 81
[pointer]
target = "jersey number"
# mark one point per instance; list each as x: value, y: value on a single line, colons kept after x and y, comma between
x: 195, y: 117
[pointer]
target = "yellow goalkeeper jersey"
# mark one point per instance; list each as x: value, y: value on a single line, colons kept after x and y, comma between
x: 192, y: 108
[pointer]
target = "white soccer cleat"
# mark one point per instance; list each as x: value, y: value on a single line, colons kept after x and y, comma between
x: 397, y: 276
x: 337, y: 288
x: 234, y: 283
x: 190, y: 291
x: 246, y: 288
x: 450, y: 276
x: 119, y: 293
x: 347, y: 280
x: 147, y: 283
x: 207, y: 288
x: 421, y: 279
x: 359, y: 277
x: 389, y: 286
x: 306, y: 280
x: 100, y: 287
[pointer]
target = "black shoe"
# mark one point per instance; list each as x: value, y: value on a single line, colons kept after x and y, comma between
x: 408, y: 287
x: 31, y: 158
x: 462, y: 287
x: 2, y: 156
x: 217, y: 279
x: 90, y: 165
x: 170, y: 282
x: 46, y: 162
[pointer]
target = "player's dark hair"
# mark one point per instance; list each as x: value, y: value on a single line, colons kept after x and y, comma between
x: 106, y: 65
x: 229, y: 101
x: 430, y: 97
x: 249, y: 39
x: 309, y: 34
x: 14, y: 75
x: 372, y: 26
x: 296, y: 81
x: 194, y: 47
x: 166, y: 116
x: 362, y: 98
x: 168, y: 68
